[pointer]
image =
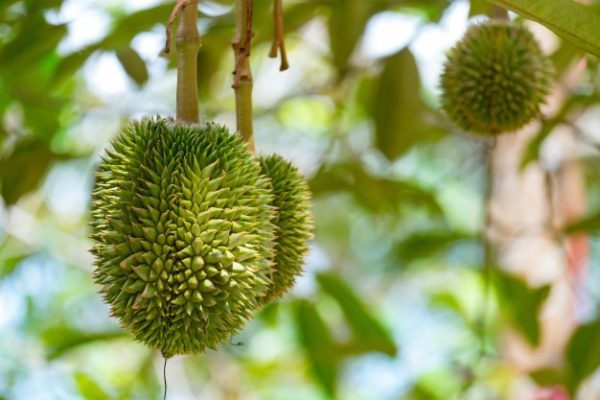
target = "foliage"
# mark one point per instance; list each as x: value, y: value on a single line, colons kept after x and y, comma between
x: 395, y: 297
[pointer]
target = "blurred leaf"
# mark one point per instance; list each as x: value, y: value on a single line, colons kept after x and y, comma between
x: 318, y: 345
x: 9, y: 265
x: 133, y: 64
x: 589, y: 224
x: 480, y: 7
x: 521, y: 304
x: 35, y: 40
x: 428, y: 243
x: 396, y: 106
x: 127, y: 27
x: 22, y: 170
x: 68, y: 65
x: 368, y: 330
x: 61, y: 339
x: 569, y: 19
x: 548, y: 377
x: 583, y: 354
x: 347, y: 22
x: 89, y: 388
x: 532, y: 150
x: 375, y: 194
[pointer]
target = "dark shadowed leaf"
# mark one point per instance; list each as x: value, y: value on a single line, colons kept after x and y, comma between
x: 521, y: 304
x: 367, y: 329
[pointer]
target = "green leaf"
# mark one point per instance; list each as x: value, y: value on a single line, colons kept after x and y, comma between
x: 22, y: 170
x: 428, y: 243
x: 521, y: 304
x: 127, y: 27
x: 133, y: 64
x: 318, y: 345
x: 532, y: 150
x: 396, y: 106
x: 68, y: 65
x: 375, y: 194
x: 548, y: 377
x: 89, y: 388
x: 583, y: 354
x: 572, y: 21
x: 347, y: 23
x: 589, y: 224
x: 480, y: 7
x: 61, y: 339
x: 368, y: 330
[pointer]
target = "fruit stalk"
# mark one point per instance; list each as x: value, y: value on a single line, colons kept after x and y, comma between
x: 187, y: 43
x: 242, y: 74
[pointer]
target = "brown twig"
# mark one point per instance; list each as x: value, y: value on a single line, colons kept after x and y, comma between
x: 181, y: 4
x: 242, y: 74
x: 278, y: 43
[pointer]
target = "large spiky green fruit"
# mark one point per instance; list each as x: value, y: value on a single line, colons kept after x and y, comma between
x: 495, y: 79
x: 293, y: 221
x: 181, y: 219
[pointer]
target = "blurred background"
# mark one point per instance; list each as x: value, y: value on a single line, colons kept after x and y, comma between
x: 445, y: 266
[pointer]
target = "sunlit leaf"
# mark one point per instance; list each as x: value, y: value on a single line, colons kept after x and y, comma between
x: 89, y: 388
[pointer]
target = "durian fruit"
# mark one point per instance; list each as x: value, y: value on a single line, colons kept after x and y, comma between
x: 293, y: 221
x: 182, y: 223
x: 495, y: 79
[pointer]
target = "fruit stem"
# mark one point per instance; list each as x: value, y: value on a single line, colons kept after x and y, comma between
x: 242, y: 74
x: 187, y: 43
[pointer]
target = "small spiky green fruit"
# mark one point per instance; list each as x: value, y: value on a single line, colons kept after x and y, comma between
x: 293, y: 221
x: 495, y: 79
x: 181, y: 219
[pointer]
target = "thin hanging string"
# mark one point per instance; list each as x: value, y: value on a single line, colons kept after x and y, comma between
x: 165, y: 377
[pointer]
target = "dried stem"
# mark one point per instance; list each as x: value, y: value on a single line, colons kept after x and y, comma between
x: 187, y: 43
x: 278, y: 43
x: 242, y: 74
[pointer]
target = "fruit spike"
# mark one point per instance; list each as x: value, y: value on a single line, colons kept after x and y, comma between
x: 294, y: 223
x: 495, y: 79
x: 181, y: 218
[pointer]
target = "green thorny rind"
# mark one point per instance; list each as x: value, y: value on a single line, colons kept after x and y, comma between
x: 181, y: 218
x: 294, y: 223
x: 495, y: 79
